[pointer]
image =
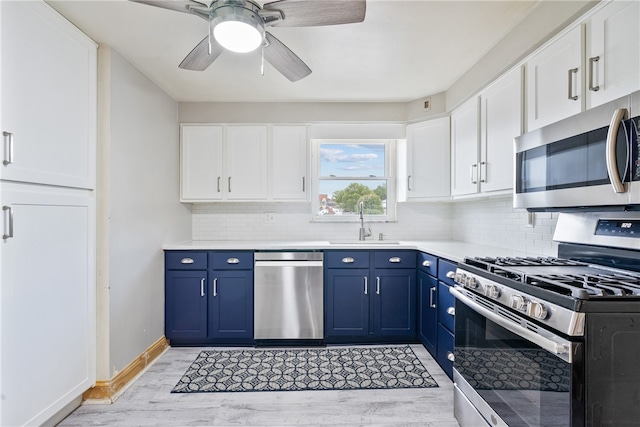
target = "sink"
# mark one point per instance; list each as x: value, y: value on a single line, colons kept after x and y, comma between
x: 364, y: 242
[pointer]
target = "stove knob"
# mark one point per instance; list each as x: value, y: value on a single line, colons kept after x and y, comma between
x: 537, y: 310
x: 470, y: 282
x: 492, y: 291
x: 518, y: 303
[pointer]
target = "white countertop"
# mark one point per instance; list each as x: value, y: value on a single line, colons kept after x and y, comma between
x: 449, y: 249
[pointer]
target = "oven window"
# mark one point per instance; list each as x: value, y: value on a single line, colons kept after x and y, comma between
x: 523, y: 383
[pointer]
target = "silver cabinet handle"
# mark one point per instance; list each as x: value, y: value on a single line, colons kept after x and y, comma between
x: 395, y: 259
x: 474, y: 173
x: 426, y: 263
x: 483, y: 176
x: 431, y: 291
x: 10, y: 234
x: 215, y: 287
x: 409, y: 183
x: 451, y: 311
x: 366, y: 285
x: 451, y: 357
x: 451, y: 274
x: 592, y: 61
x: 8, y: 140
x: 348, y: 260
x: 572, y: 72
x: 218, y: 184
x: 186, y: 261
x: 612, y: 162
x: 202, y: 287
x: 233, y: 261
x: 378, y: 285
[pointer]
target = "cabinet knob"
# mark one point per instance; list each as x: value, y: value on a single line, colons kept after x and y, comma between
x: 426, y: 263
x: 233, y: 261
x: 186, y: 261
x: 395, y: 259
x: 451, y: 311
x: 348, y: 260
x: 450, y: 356
x: 451, y: 274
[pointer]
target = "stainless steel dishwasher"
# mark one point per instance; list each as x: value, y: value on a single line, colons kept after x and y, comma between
x: 288, y: 296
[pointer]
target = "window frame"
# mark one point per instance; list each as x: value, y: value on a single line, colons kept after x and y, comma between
x: 390, y: 166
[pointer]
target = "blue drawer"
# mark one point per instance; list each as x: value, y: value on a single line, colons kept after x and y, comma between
x: 445, y: 350
x: 346, y: 259
x: 231, y: 260
x: 428, y: 264
x: 445, y: 267
x: 185, y: 260
x: 394, y: 259
x: 445, y: 301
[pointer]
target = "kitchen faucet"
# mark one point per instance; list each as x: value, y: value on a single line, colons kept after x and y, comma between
x: 363, y: 233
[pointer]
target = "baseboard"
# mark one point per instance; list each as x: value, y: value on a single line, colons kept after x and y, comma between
x: 107, y: 391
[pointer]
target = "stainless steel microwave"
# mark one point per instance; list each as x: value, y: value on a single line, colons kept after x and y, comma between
x: 588, y: 160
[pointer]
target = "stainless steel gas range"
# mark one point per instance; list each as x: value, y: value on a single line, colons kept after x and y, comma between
x: 553, y: 341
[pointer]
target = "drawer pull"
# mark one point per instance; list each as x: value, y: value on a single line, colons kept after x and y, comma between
x: 426, y: 263
x: 186, y: 261
x: 348, y: 260
x: 395, y: 259
x: 451, y: 274
x: 233, y: 261
x: 450, y: 356
x: 451, y: 311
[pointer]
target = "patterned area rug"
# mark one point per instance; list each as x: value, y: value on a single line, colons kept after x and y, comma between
x: 335, y: 368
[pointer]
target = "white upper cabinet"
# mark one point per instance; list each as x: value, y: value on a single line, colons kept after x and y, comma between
x: 428, y: 159
x: 289, y: 163
x: 500, y: 123
x: 246, y: 162
x: 48, y: 95
x: 464, y: 148
x: 201, y: 154
x: 613, y: 52
x: 554, y: 81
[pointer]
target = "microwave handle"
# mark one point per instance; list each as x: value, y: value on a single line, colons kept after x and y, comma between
x: 612, y: 163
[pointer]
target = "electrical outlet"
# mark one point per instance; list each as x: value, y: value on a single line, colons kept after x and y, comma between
x: 269, y: 218
x: 426, y: 106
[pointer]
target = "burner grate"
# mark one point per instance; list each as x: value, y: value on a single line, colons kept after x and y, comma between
x: 586, y: 286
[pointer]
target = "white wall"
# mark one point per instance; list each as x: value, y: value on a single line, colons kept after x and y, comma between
x: 142, y: 169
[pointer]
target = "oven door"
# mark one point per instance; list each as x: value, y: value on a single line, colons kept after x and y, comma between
x: 513, y: 372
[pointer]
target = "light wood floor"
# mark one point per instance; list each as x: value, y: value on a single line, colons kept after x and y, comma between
x: 148, y: 402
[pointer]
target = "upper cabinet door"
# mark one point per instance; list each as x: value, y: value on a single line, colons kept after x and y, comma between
x: 201, y: 149
x: 289, y: 163
x: 48, y: 94
x: 613, y: 52
x: 246, y: 163
x: 464, y: 148
x: 428, y: 159
x: 554, y: 81
x: 500, y: 123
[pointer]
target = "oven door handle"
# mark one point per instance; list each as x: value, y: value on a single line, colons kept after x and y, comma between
x: 560, y: 348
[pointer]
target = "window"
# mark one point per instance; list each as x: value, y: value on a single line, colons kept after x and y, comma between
x: 350, y: 172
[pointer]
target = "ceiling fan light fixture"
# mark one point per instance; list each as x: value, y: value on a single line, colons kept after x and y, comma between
x: 237, y: 29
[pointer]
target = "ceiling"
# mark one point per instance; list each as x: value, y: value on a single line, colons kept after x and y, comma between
x: 404, y: 50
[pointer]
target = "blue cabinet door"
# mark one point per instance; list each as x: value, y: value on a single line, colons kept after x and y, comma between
x: 231, y: 299
x: 427, y: 311
x: 185, y: 304
x: 445, y: 350
x: 394, y: 302
x: 446, y: 307
x: 347, y: 302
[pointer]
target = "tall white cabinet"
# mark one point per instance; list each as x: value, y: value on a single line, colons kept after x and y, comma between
x: 47, y: 181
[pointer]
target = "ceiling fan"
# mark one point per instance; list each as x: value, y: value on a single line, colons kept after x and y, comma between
x: 239, y: 26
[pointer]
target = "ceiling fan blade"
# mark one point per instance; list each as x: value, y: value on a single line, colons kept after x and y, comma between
x: 284, y: 60
x: 309, y: 13
x: 177, y: 5
x: 199, y: 58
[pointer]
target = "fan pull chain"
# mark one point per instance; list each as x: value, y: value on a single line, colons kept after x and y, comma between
x: 262, y: 62
x: 210, y: 35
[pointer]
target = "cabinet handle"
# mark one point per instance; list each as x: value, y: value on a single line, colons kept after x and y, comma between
x: 483, y: 177
x: 202, y: 287
x: 426, y: 263
x: 451, y: 357
x: 451, y: 274
x: 218, y: 184
x: 366, y: 285
x: 611, y: 160
x: 10, y: 234
x: 572, y: 72
x: 186, y: 261
x: 474, y: 173
x: 348, y: 260
x: 451, y: 311
x: 378, y: 285
x: 8, y: 141
x: 431, y: 291
x: 215, y: 287
x: 409, y: 183
x: 229, y: 184
x: 395, y: 259
x: 233, y: 261
x: 592, y: 60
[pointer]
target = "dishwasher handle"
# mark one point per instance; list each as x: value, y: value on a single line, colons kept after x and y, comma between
x: 289, y: 264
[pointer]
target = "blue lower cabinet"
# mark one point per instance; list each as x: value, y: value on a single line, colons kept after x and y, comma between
x: 347, y: 302
x: 445, y: 350
x: 186, y: 305
x: 427, y: 311
x: 394, y: 302
x: 446, y: 307
x: 231, y: 305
